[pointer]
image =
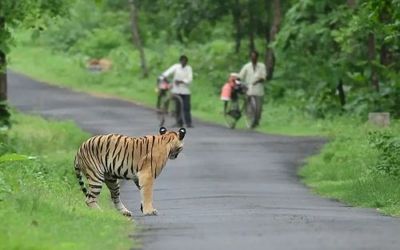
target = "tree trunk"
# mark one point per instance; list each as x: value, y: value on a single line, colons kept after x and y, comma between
x: 386, y: 58
x: 3, y: 77
x: 237, y: 25
x: 352, y: 3
x: 276, y: 22
x: 342, y: 94
x: 385, y: 53
x: 3, y: 66
x: 136, y: 37
x: 371, y: 58
x: 252, y: 45
x: 251, y: 25
x: 4, y: 114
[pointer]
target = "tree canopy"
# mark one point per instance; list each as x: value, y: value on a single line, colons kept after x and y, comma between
x: 327, y: 57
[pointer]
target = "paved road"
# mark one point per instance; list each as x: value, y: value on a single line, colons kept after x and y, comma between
x: 227, y: 190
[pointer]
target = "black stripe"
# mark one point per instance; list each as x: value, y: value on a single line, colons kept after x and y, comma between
x: 90, y: 195
x: 126, y: 174
x: 147, y: 145
x: 116, y: 144
x: 99, y: 143
x: 96, y: 175
x: 151, y: 154
x: 125, y: 152
x: 140, y: 148
x: 133, y: 156
x: 92, y: 148
x: 95, y: 186
x: 115, y: 159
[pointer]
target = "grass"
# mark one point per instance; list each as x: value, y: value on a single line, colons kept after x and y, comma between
x: 347, y: 169
x: 42, y: 206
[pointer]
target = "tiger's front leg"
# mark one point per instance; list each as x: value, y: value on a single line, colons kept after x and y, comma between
x: 146, y: 182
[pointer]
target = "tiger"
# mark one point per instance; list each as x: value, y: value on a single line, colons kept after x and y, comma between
x: 108, y: 158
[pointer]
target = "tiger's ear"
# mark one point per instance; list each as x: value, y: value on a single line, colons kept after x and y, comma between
x: 163, y: 130
x: 181, y: 133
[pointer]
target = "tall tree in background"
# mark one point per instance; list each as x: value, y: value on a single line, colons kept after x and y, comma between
x: 237, y: 24
x: 270, y: 37
x: 137, y: 41
x: 16, y: 13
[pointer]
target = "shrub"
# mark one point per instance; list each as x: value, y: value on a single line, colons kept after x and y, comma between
x: 388, y: 146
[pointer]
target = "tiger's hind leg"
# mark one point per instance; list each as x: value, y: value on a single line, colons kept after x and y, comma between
x: 113, y: 186
x: 94, y: 188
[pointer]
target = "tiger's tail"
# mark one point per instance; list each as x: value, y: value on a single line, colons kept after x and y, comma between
x: 78, y: 173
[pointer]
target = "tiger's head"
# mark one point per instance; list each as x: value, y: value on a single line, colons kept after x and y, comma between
x: 175, y: 141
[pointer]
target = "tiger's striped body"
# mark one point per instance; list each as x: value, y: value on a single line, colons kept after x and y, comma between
x: 108, y: 158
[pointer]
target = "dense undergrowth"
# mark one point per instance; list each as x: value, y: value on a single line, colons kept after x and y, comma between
x: 41, y: 205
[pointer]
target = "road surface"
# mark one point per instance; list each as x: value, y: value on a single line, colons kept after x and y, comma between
x: 227, y: 190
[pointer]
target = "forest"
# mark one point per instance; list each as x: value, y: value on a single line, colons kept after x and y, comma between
x: 325, y: 57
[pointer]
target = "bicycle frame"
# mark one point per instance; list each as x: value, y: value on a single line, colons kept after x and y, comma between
x: 233, y: 108
x: 164, y: 99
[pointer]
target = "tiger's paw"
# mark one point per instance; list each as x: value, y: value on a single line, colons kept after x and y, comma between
x: 148, y: 212
x: 153, y: 212
x: 126, y: 213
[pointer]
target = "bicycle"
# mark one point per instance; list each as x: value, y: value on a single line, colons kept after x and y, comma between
x: 237, y: 103
x: 169, y: 106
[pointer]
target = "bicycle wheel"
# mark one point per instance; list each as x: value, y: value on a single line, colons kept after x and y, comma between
x: 231, y: 113
x: 162, y: 99
x: 172, y: 111
x: 251, y: 112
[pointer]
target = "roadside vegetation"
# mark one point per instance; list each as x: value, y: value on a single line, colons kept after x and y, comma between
x: 360, y: 166
x: 330, y: 63
x: 42, y: 206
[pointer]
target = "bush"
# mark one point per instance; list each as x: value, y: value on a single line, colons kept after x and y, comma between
x: 99, y: 42
x: 388, y: 146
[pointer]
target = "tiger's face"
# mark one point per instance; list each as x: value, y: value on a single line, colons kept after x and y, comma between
x: 175, y: 141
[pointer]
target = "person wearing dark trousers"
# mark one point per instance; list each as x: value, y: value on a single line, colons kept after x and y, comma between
x: 182, y: 79
x: 186, y: 111
x: 253, y: 75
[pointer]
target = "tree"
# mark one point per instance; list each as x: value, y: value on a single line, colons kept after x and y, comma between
x: 13, y: 14
x: 137, y: 41
x: 270, y: 37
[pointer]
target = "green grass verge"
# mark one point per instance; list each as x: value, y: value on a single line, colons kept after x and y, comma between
x: 347, y: 169
x: 41, y: 205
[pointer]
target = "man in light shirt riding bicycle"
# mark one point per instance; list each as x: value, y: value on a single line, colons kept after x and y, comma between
x: 182, y: 78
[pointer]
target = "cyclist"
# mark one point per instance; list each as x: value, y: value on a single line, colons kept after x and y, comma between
x: 182, y: 78
x: 253, y: 74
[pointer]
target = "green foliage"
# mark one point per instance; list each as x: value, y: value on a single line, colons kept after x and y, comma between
x: 388, y: 145
x: 41, y: 204
x: 30, y: 13
x: 324, y: 42
x: 359, y: 166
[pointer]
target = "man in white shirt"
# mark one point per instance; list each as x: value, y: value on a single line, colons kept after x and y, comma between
x: 182, y: 78
x: 253, y: 74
